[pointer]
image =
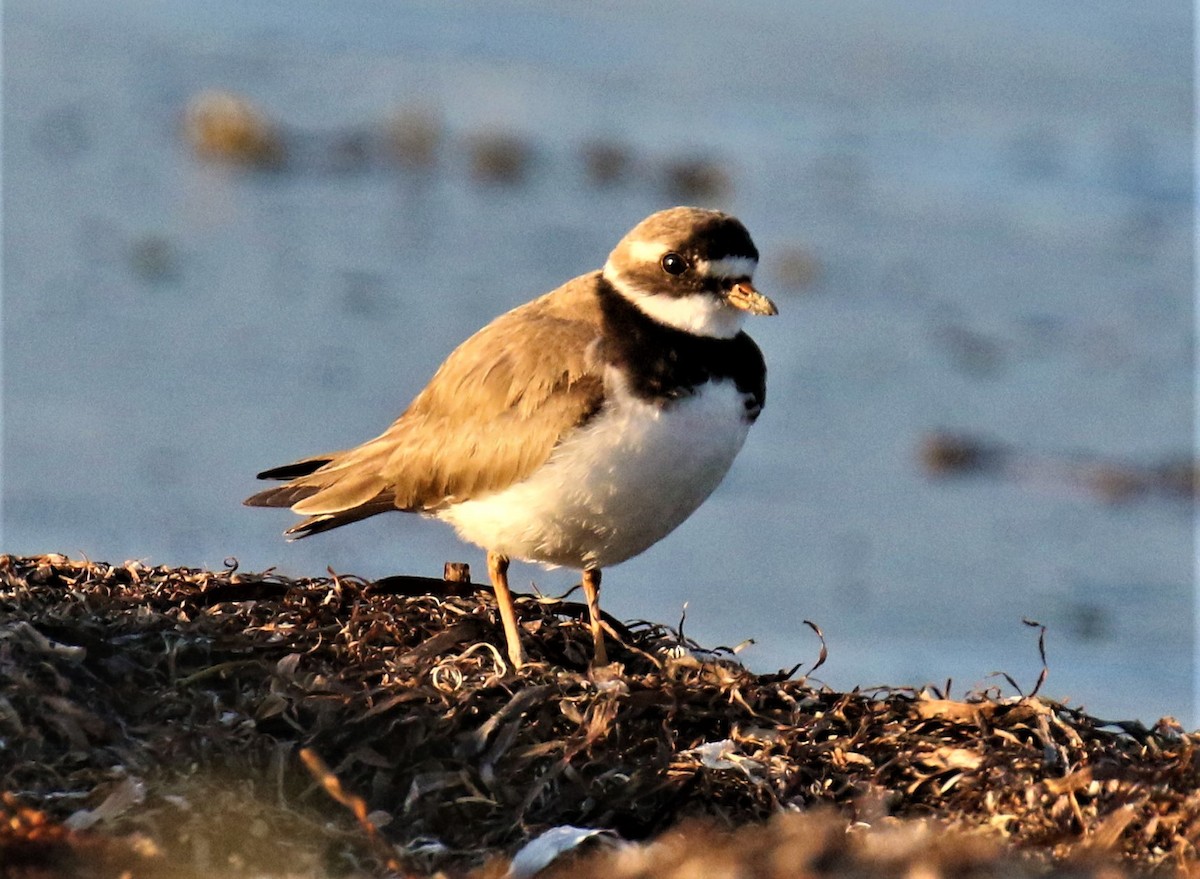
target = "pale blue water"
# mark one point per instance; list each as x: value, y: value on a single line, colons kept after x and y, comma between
x: 999, y: 197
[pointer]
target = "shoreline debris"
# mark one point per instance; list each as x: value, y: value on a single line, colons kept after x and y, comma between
x: 186, y: 698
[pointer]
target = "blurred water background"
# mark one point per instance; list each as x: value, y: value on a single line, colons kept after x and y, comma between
x: 976, y: 219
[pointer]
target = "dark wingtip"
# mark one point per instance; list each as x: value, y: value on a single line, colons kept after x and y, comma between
x: 297, y: 532
x: 263, y: 499
x: 281, y: 496
x: 313, y: 525
x: 295, y: 469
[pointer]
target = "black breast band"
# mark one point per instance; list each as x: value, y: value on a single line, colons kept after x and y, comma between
x: 663, y: 363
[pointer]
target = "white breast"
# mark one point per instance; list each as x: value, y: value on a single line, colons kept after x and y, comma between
x: 618, y: 485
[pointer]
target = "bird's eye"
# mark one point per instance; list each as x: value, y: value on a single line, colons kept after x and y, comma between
x: 674, y: 264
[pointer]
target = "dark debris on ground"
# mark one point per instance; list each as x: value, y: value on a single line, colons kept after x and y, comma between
x: 160, y: 715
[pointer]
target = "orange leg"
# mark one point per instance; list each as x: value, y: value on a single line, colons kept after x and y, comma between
x: 591, y: 588
x: 498, y: 573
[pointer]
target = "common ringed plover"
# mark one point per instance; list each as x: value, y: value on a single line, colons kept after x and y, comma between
x: 578, y: 429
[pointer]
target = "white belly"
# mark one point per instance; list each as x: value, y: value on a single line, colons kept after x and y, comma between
x: 617, y: 486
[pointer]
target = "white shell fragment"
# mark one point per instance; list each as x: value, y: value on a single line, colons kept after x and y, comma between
x: 542, y: 850
x: 723, y: 754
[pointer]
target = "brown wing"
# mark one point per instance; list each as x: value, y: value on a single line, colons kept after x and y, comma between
x: 489, y: 417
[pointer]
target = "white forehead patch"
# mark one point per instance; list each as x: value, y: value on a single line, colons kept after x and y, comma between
x: 727, y: 267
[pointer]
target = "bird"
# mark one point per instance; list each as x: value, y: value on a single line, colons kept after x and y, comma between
x: 577, y: 429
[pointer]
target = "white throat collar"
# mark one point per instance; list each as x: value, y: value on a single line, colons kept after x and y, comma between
x: 699, y: 313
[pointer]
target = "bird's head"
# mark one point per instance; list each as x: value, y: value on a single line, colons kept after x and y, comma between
x: 691, y: 269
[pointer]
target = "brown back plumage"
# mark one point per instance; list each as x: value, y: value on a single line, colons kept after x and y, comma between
x: 489, y: 417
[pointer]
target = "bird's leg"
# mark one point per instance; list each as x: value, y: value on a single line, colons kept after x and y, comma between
x: 591, y: 588
x: 498, y: 573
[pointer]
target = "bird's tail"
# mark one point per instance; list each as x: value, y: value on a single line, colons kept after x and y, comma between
x: 325, y: 490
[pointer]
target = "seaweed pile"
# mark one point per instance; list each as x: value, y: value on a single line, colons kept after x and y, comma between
x: 257, y: 723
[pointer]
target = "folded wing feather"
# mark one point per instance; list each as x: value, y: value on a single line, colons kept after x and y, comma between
x: 490, y: 416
